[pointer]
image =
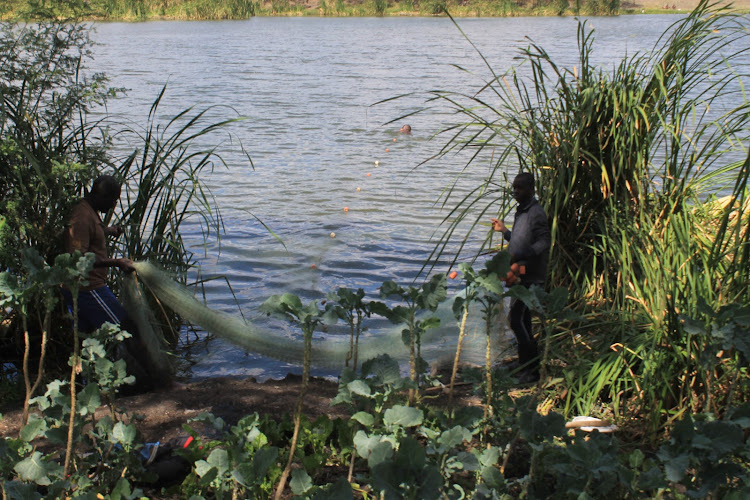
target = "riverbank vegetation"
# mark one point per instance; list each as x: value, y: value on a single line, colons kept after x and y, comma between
x: 146, y: 10
x: 643, y: 171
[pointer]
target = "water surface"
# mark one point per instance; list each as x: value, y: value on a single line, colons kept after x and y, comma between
x: 307, y: 87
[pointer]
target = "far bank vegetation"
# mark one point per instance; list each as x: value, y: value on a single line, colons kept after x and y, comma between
x: 143, y: 10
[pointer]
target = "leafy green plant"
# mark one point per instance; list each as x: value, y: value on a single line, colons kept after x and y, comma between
x: 109, y: 464
x: 708, y: 457
x: 380, y: 6
x: 483, y: 287
x: 40, y: 282
x: 425, y: 298
x: 240, y: 462
x: 349, y: 306
x: 308, y: 317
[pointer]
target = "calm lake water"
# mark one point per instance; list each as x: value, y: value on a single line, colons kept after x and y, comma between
x: 307, y: 86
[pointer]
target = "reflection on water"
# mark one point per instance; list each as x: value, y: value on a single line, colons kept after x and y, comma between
x: 318, y: 145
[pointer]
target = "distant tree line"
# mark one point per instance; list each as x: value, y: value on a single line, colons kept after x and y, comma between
x: 141, y: 10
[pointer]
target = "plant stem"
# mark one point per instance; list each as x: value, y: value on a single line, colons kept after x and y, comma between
x: 26, y: 381
x: 297, y: 414
x: 461, y: 333
x: 76, y: 354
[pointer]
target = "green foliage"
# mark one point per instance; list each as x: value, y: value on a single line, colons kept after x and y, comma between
x: 47, y: 155
x: 349, y: 306
x: 143, y: 10
x: 433, y: 7
x: 629, y: 163
x: 425, y: 298
x: 239, y: 462
x: 50, y: 150
x: 106, y: 444
x: 379, y: 6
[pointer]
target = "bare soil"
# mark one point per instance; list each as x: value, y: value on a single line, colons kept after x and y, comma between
x: 159, y: 416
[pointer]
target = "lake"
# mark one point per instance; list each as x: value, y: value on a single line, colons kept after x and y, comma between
x: 307, y: 87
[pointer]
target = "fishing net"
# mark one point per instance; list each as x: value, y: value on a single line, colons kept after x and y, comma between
x: 438, y: 343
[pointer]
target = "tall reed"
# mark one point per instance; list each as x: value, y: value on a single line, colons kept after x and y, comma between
x: 627, y: 163
x: 165, y: 188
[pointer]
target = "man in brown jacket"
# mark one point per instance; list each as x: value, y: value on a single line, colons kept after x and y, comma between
x: 96, y: 303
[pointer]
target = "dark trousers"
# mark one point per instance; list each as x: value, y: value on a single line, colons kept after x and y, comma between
x: 95, y: 307
x: 520, y: 323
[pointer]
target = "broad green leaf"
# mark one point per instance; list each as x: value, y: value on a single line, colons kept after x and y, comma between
x: 411, y: 454
x: 381, y: 452
x: 468, y: 461
x: 206, y: 472
x: 35, y: 427
x: 636, y: 459
x: 359, y: 387
x: 389, y: 288
x: 16, y: 490
x: 431, y: 322
x: 35, y: 469
x: 364, y: 418
x: 493, y: 478
x: 676, y: 468
x: 454, y: 437
x: 405, y: 416
x: 340, y: 490
x: 557, y: 300
x: 491, y: 284
x: 121, y: 490
x: 740, y: 415
x: 219, y: 458
x: 263, y: 459
x: 434, y: 292
x: 365, y: 443
x: 300, y: 482
x: 124, y: 434
x: 489, y: 456
x: 89, y: 399
x: 384, y: 368
x: 9, y: 289
x: 724, y: 437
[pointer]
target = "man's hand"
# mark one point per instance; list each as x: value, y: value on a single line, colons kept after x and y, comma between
x: 499, y: 225
x: 126, y: 265
x: 113, y: 231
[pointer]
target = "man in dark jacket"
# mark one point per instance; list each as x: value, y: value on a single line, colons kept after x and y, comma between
x: 528, y: 244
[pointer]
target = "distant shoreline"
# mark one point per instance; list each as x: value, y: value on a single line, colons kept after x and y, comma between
x: 186, y: 10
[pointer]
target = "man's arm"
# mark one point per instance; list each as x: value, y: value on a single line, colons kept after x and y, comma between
x: 542, y: 235
x: 123, y: 263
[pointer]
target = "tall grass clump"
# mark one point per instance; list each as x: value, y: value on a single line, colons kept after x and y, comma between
x: 642, y: 172
x: 165, y: 191
x: 52, y: 146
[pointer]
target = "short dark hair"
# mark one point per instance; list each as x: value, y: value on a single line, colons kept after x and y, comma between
x: 106, y: 186
x: 526, y: 178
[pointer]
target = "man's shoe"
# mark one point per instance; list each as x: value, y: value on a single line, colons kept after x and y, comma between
x: 511, y: 366
x: 528, y: 376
